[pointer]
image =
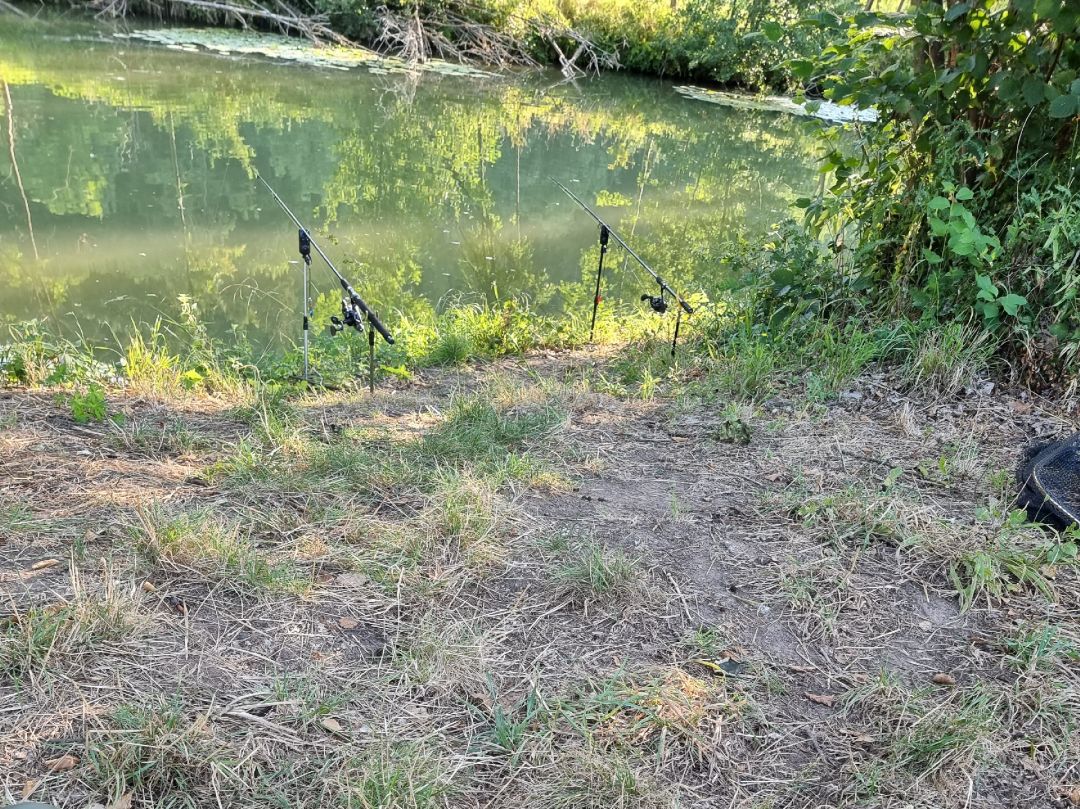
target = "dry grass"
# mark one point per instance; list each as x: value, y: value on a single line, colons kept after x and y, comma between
x: 502, y: 587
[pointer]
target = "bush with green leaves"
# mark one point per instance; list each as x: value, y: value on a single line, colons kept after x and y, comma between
x: 89, y: 405
x: 724, y: 41
x: 961, y: 202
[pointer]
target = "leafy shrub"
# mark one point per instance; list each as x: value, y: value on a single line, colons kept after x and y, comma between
x: 724, y: 41
x: 960, y: 202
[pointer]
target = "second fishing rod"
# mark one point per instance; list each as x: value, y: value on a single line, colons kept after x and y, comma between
x: 658, y: 303
x: 354, y: 311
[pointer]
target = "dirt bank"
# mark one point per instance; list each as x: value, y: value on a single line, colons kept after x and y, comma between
x: 498, y: 586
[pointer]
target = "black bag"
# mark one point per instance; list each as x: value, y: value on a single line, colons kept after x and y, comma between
x: 1049, y: 478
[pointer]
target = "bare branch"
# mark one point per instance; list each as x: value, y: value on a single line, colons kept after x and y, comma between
x: 6, y: 6
x: 449, y: 33
x: 314, y: 27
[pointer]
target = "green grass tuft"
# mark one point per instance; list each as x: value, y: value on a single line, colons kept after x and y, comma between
x: 16, y: 519
x: 1041, y: 647
x: 451, y: 348
x: 490, y: 439
x: 591, y: 572
x: 1011, y: 562
x: 30, y: 641
x: 158, y: 753
x: 943, y: 359
x: 173, y: 438
x: 214, y: 547
x: 402, y: 776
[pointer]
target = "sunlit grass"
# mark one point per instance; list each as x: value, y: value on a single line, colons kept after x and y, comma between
x: 214, y: 546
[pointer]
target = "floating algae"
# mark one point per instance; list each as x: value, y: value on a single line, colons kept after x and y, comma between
x: 249, y: 43
x: 826, y: 110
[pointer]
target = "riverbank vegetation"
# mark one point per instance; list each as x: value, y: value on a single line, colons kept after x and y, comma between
x: 728, y: 42
x: 781, y: 567
x: 962, y: 205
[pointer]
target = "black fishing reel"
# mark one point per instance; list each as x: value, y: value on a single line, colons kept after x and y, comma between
x: 305, y: 246
x: 351, y: 316
x: 658, y: 303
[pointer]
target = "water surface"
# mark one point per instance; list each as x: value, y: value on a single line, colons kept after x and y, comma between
x: 137, y: 163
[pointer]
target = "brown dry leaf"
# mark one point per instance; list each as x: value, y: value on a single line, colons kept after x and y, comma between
x: 353, y: 580
x: 347, y: 622
x: 802, y: 669
x: 1029, y: 764
x: 483, y: 699
x: 28, y: 789
x: 332, y: 725
x: 123, y: 802
x: 65, y: 762
x: 1073, y: 796
x: 941, y: 678
x: 44, y: 564
x: 148, y: 587
x: 828, y: 700
x: 857, y: 737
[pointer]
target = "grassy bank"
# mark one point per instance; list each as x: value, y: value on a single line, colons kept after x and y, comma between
x: 729, y: 348
x: 558, y: 579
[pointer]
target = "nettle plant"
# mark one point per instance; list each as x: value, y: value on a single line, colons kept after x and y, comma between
x: 970, y: 251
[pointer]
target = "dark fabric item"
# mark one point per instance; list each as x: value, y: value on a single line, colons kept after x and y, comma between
x: 1049, y: 478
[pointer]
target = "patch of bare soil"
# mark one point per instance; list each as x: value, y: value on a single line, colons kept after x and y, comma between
x: 661, y: 616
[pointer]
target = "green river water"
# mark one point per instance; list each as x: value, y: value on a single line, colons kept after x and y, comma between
x: 136, y: 162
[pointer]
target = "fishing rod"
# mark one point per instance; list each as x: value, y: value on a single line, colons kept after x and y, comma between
x: 353, y: 309
x: 658, y: 303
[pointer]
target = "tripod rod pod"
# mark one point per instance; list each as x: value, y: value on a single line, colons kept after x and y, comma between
x: 354, y: 309
x: 605, y: 231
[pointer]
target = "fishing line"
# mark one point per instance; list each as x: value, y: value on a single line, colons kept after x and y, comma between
x: 646, y: 170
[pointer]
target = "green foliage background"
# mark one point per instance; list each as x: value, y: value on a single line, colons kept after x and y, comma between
x: 742, y: 43
x: 962, y: 204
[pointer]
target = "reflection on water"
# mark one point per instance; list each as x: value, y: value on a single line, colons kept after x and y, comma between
x: 136, y: 164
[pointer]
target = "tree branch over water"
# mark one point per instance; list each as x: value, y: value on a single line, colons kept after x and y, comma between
x: 6, y: 6
x: 457, y: 32
x: 288, y: 20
